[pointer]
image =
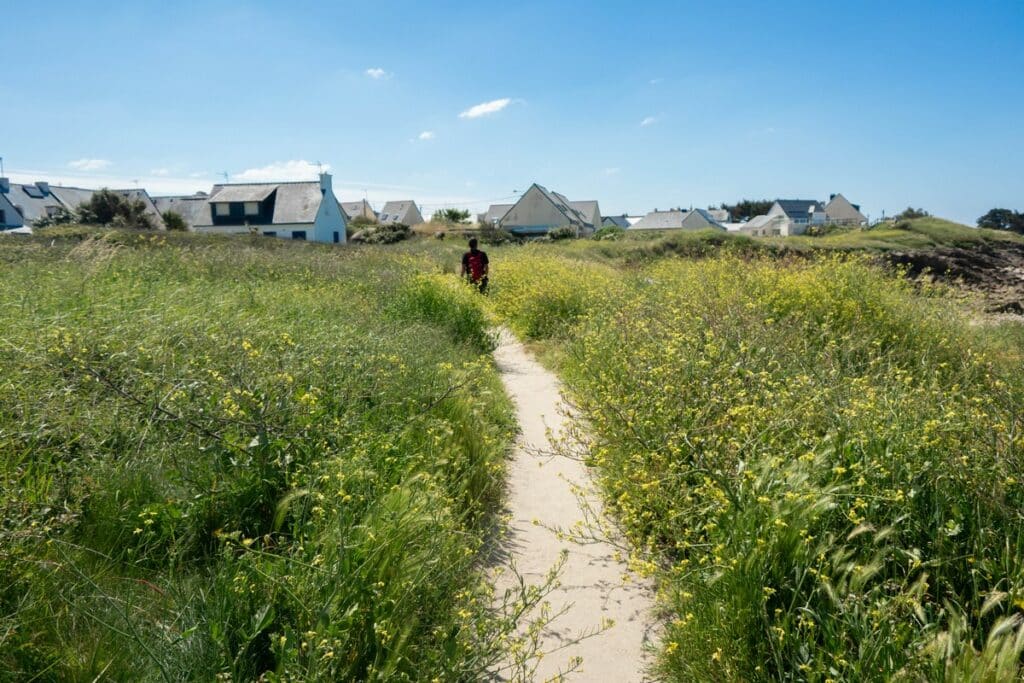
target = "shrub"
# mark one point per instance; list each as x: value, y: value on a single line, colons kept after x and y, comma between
x: 384, y: 234
x: 562, y: 233
x: 109, y: 208
x: 496, y: 236
x: 609, y: 232
x: 174, y: 221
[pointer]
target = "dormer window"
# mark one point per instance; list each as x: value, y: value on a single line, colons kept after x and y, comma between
x: 222, y: 209
x: 252, y: 208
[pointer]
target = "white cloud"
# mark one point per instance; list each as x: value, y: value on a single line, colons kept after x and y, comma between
x: 297, y: 169
x: 656, y: 81
x: 377, y: 73
x: 649, y: 121
x: 89, y: 164
x: 427, y: 135
x: 486, y: 108
x: 161, y: 172
x: 612, y: 171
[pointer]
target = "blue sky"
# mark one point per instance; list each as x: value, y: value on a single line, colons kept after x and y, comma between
x: 636, y: 104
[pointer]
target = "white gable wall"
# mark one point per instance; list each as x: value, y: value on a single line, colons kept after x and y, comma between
x: 534, y: 213
x: 329, y: 220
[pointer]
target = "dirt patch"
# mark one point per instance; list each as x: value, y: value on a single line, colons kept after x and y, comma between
x: 996, y: 271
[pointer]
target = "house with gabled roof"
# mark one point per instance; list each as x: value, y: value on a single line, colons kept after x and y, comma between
x: 540, y: 210
x: 405, y: 212
x: 840, y: 211
x: 32, y: 202
x: 615, y: 221
x: 800, y: 214
x: 360, y: 209
x: 678, y: 219
x: 494, y: 214
x: 74, y: 197
x: 194, y: 208
x: 295, y: 210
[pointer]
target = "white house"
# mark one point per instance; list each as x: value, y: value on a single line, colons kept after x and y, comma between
x: 799, y: 215
x: 764, y: 226
x: 299, y: 211
x: 678, y: 219
x: 539, y: 210
x: 840, y: 211
x: 405, y: 212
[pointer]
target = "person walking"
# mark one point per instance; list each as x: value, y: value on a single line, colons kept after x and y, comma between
x: 475, y: 266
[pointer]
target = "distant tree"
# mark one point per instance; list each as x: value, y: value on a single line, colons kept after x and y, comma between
x: 174, y: 221
x: 910, y: 214
x: 452, y: 216
x: 748, y: 208
x: 1003, y: 219
x: 109, y: 208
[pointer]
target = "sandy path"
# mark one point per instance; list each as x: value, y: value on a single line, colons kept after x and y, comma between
x: 591, y: 580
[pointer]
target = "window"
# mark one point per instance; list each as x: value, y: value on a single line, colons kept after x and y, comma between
x: 298, y: 234
x: 222, y: 209
x: 337, y: 235
x: 252, y: 208
x: 270, y: 233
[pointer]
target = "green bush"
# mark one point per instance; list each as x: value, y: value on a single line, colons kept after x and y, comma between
x: 496, y: 236
x: 174, y: 221
x: 609, y: 233
x: 563, y: 233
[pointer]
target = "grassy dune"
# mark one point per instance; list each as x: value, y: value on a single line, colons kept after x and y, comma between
x: 819, y: 462
x: 242, y: 459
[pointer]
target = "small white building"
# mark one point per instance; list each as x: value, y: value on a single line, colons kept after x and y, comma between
x: 299, y: 211
x: 799, y: 215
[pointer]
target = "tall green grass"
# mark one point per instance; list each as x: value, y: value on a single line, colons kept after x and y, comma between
x: 242, y: 459
x: 820, y: 462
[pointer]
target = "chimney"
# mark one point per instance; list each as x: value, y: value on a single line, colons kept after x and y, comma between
x: 43, y: 186
x: 5, y: 185
x: 325, y: 183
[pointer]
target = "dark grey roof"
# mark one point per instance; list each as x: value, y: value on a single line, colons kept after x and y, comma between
x: 620, y: 221
x: 33, y: 202
x: 72, y: 197
x: 256, y: 192
x: 799, y: 209
x: 195, y: 209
